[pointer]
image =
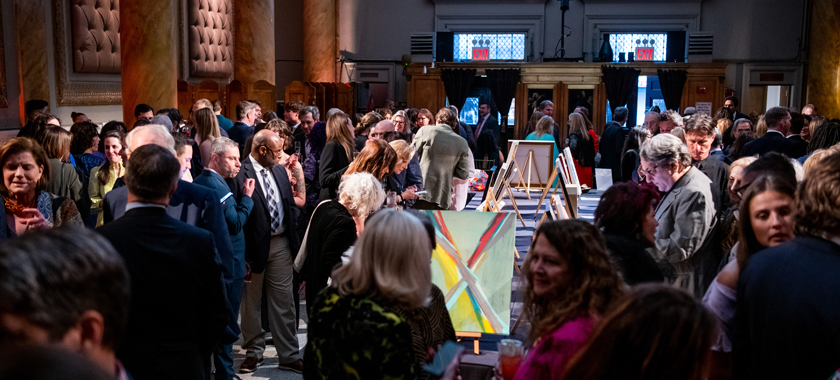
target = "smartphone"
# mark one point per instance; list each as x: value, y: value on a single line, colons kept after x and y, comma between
x: 421, y: 192
x: 445, y: 355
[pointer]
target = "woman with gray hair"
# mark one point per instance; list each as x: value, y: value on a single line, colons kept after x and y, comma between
x: 686, y: 240
x: 334, y: 226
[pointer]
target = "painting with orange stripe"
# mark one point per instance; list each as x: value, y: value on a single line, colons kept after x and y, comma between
x: 473, y: 266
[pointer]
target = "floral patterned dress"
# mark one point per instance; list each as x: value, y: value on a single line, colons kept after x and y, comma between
x: 351, y: 337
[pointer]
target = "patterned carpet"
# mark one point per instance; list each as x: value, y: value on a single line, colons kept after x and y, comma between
x: 530, y: 213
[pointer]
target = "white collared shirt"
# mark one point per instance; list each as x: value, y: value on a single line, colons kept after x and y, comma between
x: 273, y: 185
x: 773, y: 130
x: 134, y: 205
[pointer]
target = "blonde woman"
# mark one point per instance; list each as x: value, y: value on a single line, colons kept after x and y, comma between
x: 206, y: 130
x: 336, y: 156
x: 761, y: 127
x: 389, y: 268
x: 392, y: 182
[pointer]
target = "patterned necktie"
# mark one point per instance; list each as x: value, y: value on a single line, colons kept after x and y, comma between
x: 272, y: 202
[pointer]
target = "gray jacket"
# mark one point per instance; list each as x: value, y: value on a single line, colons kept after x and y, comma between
x: 687, y: 246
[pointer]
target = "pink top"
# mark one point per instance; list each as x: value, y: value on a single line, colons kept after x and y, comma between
x: 548, y: 359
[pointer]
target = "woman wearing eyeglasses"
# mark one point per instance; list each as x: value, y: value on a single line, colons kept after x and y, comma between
x: 686, y: 244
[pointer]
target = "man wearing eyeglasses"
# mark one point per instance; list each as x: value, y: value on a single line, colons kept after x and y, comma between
x: 270, y: 246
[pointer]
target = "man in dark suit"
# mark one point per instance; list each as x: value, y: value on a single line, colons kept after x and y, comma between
x: 486, y: 122
x: 612, y: 141
x: 243, y: 128
x: 178, y: 308
x: 224, y: 164
x: 699, y: 134
x: 271, y: 244
x: 734, y: 105
x: 192, y: 204
x: 307, y: 117
x: 778, y: 125
x: 787, y: 314
x: 797, y: 122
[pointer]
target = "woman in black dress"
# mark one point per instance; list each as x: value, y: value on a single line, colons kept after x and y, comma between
x: 337, y: 154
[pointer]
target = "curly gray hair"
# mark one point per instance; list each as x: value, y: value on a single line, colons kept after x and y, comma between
x: 665, y: 149
x: 361, y: 193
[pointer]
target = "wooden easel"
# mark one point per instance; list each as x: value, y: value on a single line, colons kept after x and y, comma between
x: 475, y: 335
x: 530, y: 163
x: 561, y: 183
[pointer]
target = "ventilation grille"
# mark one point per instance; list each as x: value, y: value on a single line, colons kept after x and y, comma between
x: 701, y: 43
x: 422, y: 43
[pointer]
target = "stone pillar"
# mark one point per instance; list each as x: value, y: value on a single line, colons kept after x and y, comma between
x: 320, y: 49
x: 31, y: 30
x: 253, y: 46
x: 148, y: 55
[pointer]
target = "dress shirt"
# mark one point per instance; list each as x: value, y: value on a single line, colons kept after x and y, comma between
x: 795, y: 134
x: 133, y: 205
x: 773, y: 130
x: 278, y: 201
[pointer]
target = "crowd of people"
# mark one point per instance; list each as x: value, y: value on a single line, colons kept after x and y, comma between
x: 711, y: 256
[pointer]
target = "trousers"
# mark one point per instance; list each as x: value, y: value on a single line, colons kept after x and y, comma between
x: 277, y: 283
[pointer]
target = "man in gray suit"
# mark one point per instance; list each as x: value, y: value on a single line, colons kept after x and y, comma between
x: 686, y: 245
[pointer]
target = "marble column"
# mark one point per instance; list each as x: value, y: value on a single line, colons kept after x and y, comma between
x: 253, y: 47
x: 31, y: 30
x: 824, y: 58
x: 320, y: 49
x: 148, y: 55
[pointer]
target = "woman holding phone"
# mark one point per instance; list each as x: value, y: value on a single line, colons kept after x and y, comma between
x: 26, y: 172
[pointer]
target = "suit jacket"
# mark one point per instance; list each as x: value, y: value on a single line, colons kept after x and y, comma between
x: 801, y: 145
x: 467, y: 133
x: 719, y: 155
x: 718, y: 173
x: 773, y: 142
x: 610, y: 146
x: 331, y: 232
x: 443, y: 155
x: 491, y: 125
x: 334, y: 163
x: 686, y: 239
x: 258, y: 227
x: 240, y: 132
x: 236, y: 214
x: 193, y: 204
x: 178, y: 308
x: 787, y: 318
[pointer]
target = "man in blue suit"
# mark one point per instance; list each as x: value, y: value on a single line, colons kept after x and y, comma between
x: 224, y: 164
x: 243, y: 128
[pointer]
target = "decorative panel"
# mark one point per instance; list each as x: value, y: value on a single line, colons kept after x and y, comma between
x: 91, y: 77
x: 264, y: 93
x: 4, y: 95
x: 95, y: 26
x: 210, y: 39
x: 236, y: 94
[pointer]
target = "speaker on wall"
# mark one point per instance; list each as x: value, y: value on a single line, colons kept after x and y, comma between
x: 444, y: 46
x: 675, y: 51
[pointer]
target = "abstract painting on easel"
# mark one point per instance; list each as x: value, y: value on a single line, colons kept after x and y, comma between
x: 473, y: 266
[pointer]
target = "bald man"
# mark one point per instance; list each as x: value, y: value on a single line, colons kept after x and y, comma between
x: 380, y: 129
x: 192, y: 204
x: 271, y: 243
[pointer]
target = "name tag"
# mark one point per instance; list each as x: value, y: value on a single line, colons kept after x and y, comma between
x: 226, y: 197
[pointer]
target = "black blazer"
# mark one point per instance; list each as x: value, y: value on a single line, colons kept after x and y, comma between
x: 718, y: 172
x: 258, y: 227
x: 331, y: 232
x: 334, y: 163
x: 178, y: 308
x: 240, y: 132
x: 491, y: 125
x: 773, y: 142
x: 632, y: 260
x: 787, y: 318
x: 610, y: 146
x: 801, y: 145
x: 193, y: 204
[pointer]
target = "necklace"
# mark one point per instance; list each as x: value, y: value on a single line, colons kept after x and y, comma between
x: 17, y: 209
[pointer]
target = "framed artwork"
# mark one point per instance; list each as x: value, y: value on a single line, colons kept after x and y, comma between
x: 534, y: 162
x: 472, y: 265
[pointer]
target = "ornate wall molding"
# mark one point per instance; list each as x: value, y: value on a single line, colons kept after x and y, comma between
x: 4, y: 95
x: 76, y: 89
